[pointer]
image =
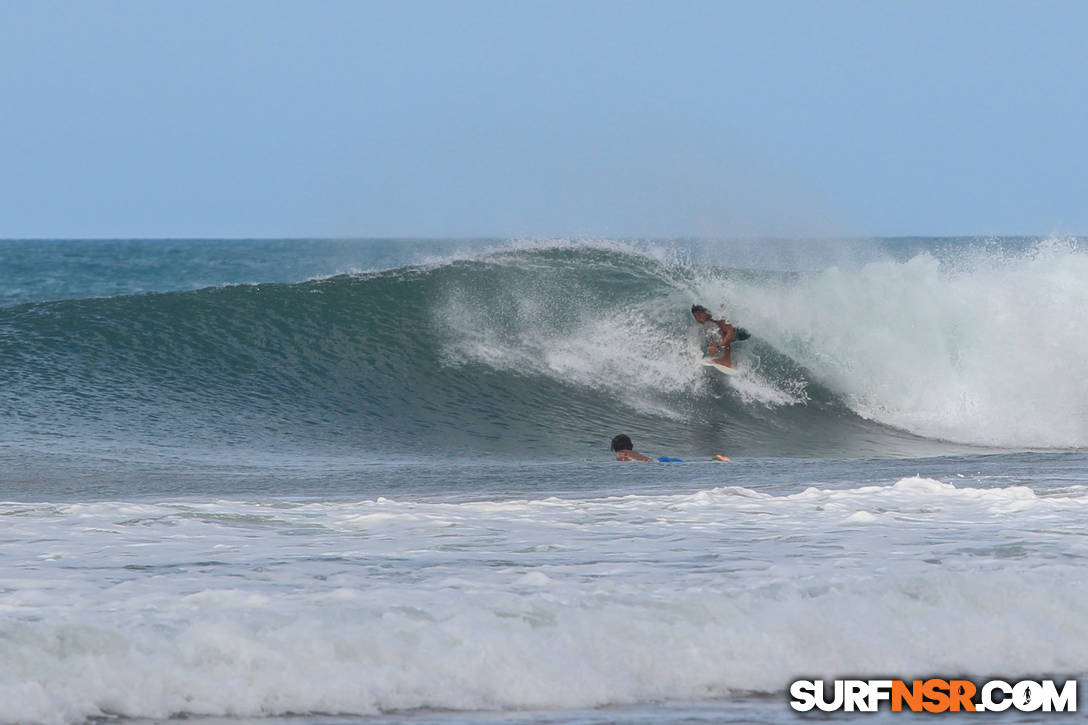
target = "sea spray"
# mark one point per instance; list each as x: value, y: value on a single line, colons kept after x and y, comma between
x: 981, y: 347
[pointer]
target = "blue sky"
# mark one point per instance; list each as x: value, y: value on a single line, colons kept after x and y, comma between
x: 423, y: 119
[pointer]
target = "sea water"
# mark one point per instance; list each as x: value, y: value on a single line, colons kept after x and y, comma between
x: 369, y: 482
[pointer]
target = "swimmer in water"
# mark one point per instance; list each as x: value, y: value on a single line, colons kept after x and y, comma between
x: 625, y: 450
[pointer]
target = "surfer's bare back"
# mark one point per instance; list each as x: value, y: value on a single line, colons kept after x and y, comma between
x: 625, y: 450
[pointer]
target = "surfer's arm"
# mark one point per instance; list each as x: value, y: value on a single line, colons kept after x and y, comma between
x: 727, y: 331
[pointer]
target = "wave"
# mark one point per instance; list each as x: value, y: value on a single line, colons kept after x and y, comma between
x: 549, y: 350
x: 983, y: 346
x: 361, y: 607
x: 236, y: 653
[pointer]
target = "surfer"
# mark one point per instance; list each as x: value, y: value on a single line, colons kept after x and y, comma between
x: 728, y: 332
x: 625, y: 450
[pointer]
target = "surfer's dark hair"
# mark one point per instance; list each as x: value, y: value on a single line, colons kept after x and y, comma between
x: 622, y: 443
x: 699, y: 308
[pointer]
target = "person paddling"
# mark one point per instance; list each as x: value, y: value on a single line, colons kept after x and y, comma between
x: 625, y: 449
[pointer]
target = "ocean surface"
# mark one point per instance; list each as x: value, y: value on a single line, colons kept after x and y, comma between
x: 361, y: 482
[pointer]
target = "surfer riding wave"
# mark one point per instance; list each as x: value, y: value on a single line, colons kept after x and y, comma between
x: 721, y: 352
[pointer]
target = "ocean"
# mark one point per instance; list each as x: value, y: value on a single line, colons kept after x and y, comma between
x: 360, y: 482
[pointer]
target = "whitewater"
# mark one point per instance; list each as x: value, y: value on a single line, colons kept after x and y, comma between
x: 318, y: 482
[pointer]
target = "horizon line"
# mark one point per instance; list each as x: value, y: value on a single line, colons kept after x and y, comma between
x: 545, y: 237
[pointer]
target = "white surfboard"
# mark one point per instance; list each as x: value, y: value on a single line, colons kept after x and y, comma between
x: 724, y: 368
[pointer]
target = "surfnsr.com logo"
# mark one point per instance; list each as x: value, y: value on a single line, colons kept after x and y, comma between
x: 933, y: 695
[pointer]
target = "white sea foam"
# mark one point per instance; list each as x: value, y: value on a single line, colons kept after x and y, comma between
x: 986, y: 349
x: 237, y: 608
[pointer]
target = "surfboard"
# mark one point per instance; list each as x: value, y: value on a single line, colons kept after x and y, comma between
x: 724, y: 368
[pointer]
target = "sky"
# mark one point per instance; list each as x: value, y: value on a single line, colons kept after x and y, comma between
x: 257, y: 118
